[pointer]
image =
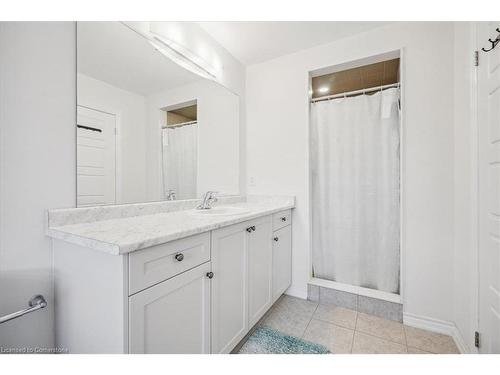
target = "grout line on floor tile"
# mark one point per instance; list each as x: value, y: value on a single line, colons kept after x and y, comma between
x: 352, y: 341
x: 356, y: 323
x: 425, y: 351
x: 335, y: 324
x: 381, y: 338
x: 354, y: 331
x: 404, y: 334
x: 309, y: 322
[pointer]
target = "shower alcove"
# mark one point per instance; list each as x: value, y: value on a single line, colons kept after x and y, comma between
x: 355, y: 181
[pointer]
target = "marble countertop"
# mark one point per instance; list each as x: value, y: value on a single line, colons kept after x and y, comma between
x: 126, y: 234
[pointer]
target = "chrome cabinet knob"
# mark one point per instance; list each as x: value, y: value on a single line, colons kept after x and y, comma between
x: 276, y: 239
x: 283, y: 218
x: 179, y: 257
x: 210, y: 274
x: 249, y: 229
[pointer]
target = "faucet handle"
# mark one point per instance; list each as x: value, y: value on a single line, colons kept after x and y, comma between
x: 170, y: 195
x: 211, y: 196
x: 208, y: 198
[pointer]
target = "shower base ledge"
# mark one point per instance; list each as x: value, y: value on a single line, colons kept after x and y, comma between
x: 367, y: 292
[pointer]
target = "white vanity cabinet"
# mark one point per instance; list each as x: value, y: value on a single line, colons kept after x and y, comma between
x: 282, y: 253
x: 229, y: 286
x: 172, y: 316
x: 260, y: 269
x: 282, y: 261
x: 197, y: 294
x: 241, y: 286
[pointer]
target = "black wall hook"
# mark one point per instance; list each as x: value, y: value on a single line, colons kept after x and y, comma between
x: 493, y: 42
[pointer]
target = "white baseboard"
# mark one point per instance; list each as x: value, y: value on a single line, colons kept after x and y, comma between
x: 438, y: 326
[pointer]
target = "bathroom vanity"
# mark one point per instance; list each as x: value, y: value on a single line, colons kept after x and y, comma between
x: 164, y: 277
x: 160, y: 277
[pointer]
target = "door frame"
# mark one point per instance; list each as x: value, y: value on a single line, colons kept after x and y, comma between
x: 474, y: 133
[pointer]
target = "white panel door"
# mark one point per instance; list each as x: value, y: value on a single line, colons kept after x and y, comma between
x: 260, y: 257
x: 282, y: 261
x: 95, y: 157
x: 489, y: 190
x: 229, y: 287
x: 172, y: 317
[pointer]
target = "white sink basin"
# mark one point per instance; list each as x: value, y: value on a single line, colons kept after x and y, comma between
x: 220, y: 211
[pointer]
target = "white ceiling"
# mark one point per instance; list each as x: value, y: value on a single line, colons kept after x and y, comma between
x: 113, y: 53
x: 255, y: 42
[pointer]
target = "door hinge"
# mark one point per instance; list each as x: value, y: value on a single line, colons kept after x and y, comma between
x: 476, y: 58
x: 476, y: 339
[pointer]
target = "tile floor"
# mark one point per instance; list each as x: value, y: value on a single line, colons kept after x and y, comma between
x: 347, y: 331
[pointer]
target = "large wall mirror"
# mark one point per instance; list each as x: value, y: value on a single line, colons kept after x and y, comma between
x: 147, y: 128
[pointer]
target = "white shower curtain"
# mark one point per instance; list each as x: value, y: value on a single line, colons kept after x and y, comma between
x: 180, y: 160
x: 355, y: 190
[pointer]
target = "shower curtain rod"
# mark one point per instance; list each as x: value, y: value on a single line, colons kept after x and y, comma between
x: 179, y: 125
x: 350, y: 93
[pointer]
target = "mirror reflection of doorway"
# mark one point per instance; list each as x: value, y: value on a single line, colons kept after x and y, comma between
x: 180, y: 152
x: 95, y: 157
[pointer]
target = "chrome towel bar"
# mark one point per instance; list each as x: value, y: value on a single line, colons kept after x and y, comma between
x: 35, y: 303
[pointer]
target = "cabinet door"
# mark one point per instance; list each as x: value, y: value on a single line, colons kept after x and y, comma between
x: 259, y: 269
x: 229, y: 287
x: 172, y: 316
x: 282, y: 261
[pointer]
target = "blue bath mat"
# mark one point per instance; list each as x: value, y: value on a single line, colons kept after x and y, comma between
x: 265, y: 340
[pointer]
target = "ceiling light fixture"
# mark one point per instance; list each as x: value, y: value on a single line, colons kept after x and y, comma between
x: 323, y: 90
x: 182, y: 56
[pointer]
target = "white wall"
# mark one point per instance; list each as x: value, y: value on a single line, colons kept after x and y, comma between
x: 37, y: 166
x: 277, y: 150
x: 465, y: 138
x: 218, y: 136
x: 130, y: 111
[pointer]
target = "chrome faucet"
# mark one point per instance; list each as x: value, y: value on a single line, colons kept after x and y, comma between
x: 171, y: 195
x: 208, y: 199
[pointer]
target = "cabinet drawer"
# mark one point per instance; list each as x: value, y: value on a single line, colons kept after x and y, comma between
x: 155, y: 264
x: 282, y: 219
